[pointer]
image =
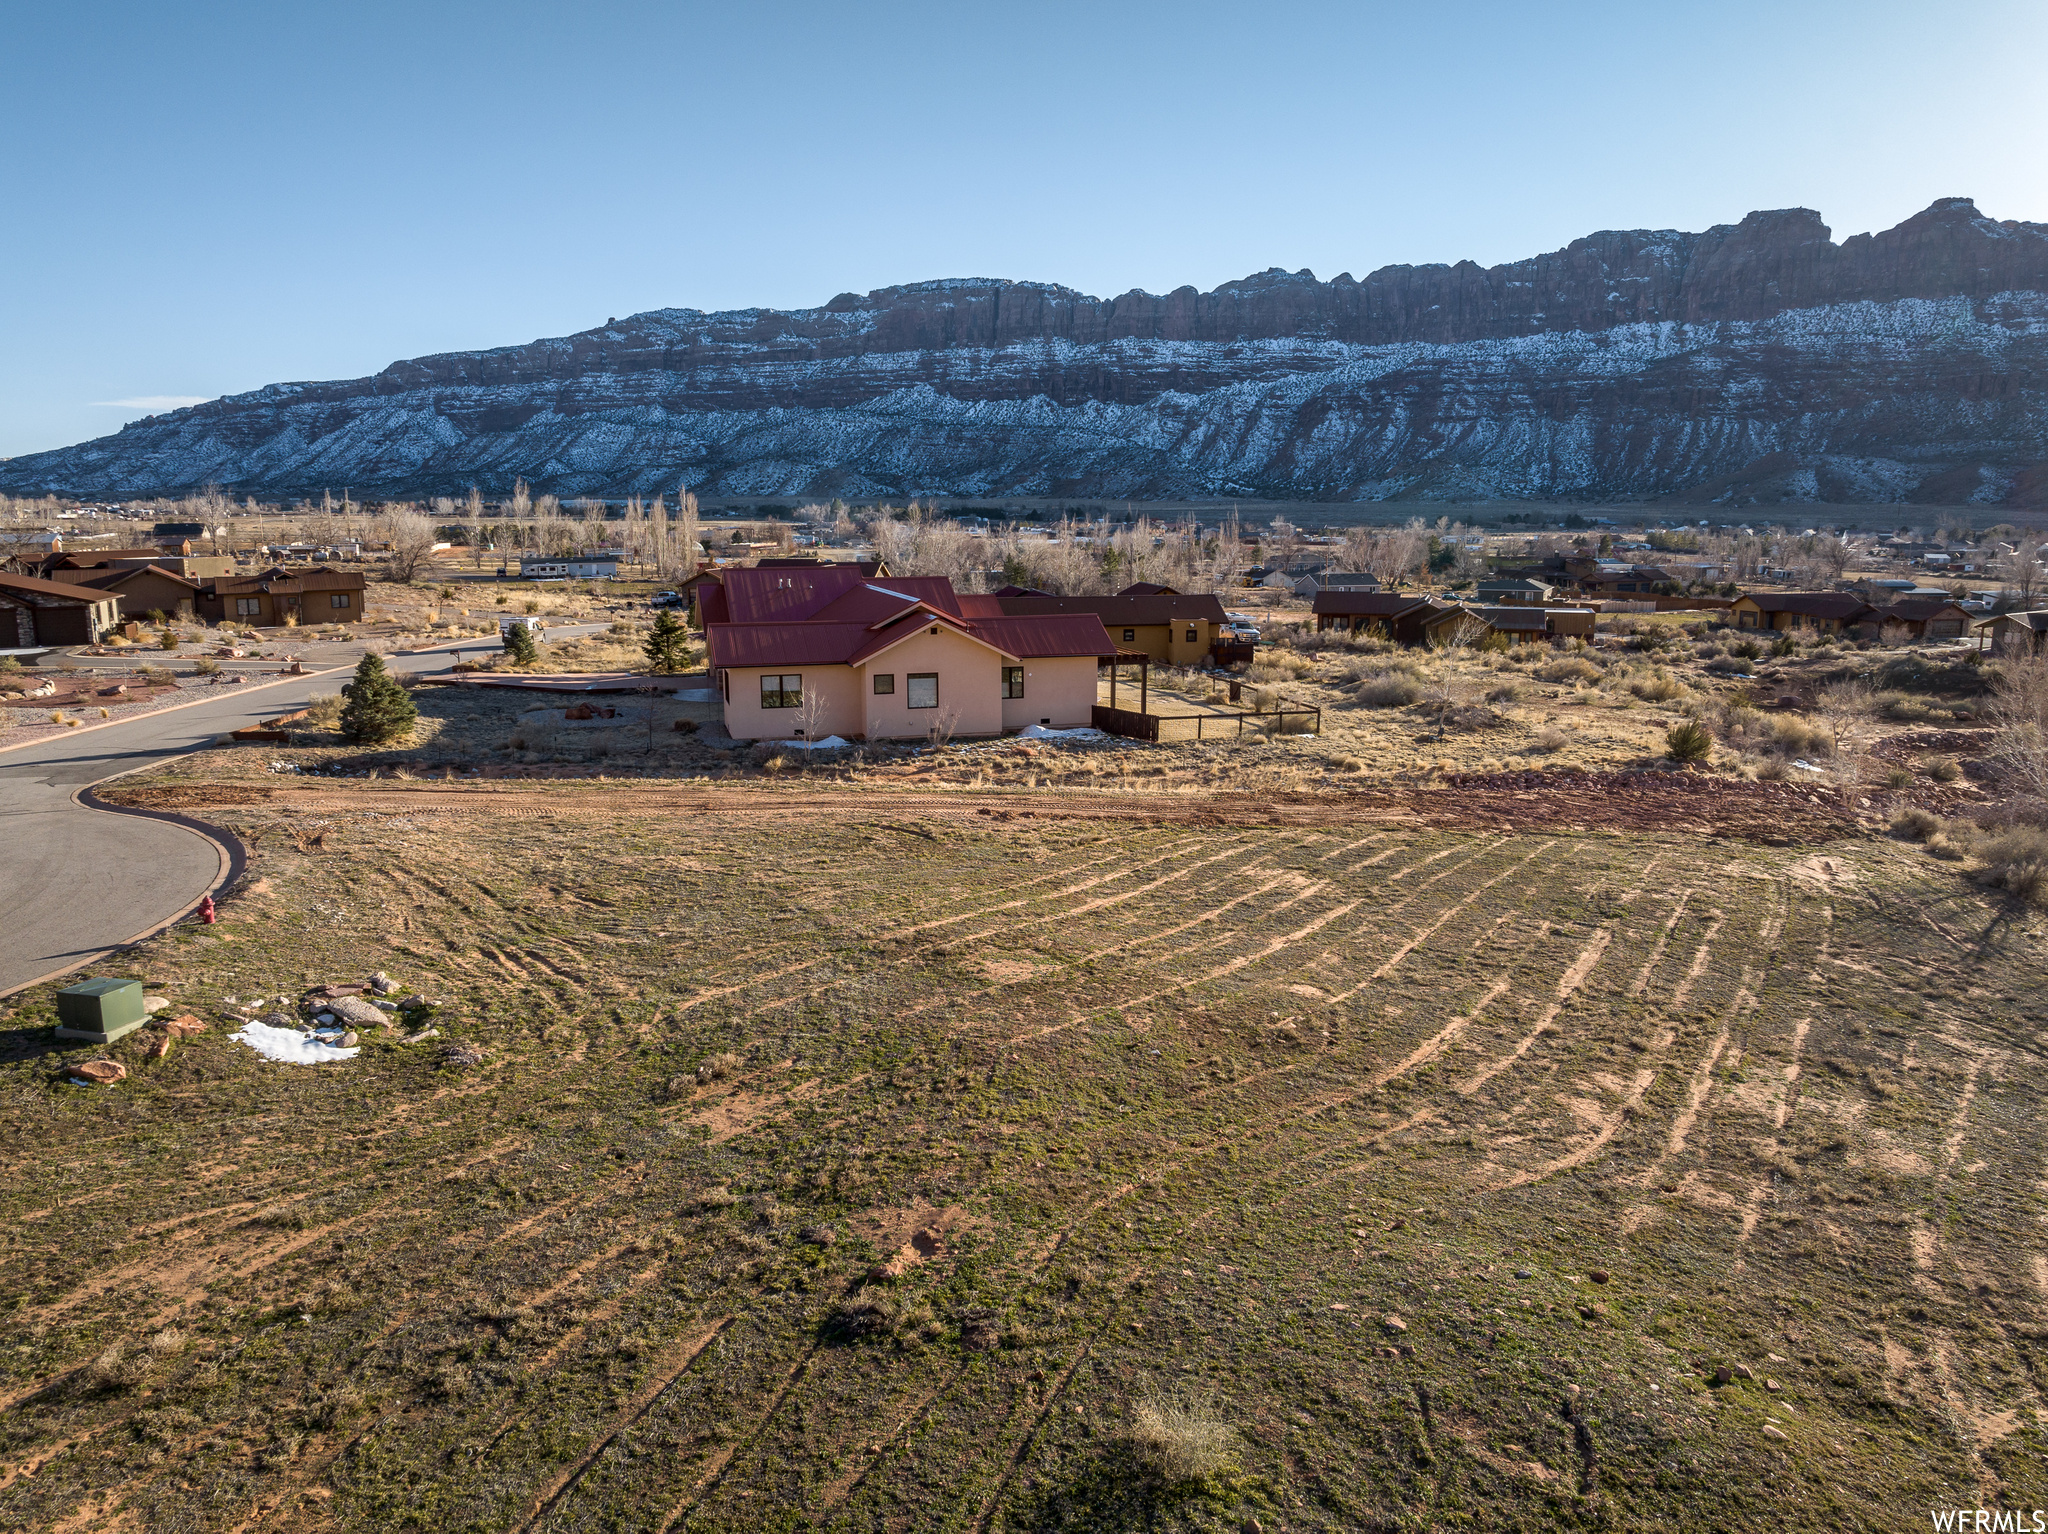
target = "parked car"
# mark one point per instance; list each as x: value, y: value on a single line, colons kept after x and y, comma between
x: 1242, y: 633
x: 668, y: 599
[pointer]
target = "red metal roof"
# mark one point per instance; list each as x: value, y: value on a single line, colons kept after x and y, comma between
x: 833, y: 640
x: 785, y: 594
x: 1192, y: 607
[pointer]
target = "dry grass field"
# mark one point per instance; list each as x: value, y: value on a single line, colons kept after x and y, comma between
x: 794, y: 1156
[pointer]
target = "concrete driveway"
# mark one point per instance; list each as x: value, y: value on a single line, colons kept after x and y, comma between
x: 80, y: 881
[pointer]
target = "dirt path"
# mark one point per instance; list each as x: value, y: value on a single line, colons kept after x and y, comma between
x: 1776, y: 813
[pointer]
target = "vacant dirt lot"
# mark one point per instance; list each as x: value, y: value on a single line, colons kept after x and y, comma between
x: 866, y: 1160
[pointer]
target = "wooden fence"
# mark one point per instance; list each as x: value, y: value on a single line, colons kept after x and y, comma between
x: 1229, y: 725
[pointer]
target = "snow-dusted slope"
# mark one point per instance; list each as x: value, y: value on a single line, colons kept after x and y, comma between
x: 1759, y: 359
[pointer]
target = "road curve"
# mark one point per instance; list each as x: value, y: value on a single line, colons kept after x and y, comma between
x: 79, y: 882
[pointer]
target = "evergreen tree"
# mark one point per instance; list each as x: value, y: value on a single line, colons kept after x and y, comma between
x: 668, y: 647
x: 378, y: 708
x: 519, y: 644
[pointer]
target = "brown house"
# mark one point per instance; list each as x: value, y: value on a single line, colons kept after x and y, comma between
x: 1402, y: 614
x: 1831, y: 612
x: 1173, y: 627
x: 38, y: 614
x: 278, y: 595
x: 143, y: 589
x: 1926, y: 618
x: 1516, y: 624
x: 2026, y: 633
x: 90, y: 562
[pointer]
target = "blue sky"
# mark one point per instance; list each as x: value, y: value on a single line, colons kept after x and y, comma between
x: 205, y: 198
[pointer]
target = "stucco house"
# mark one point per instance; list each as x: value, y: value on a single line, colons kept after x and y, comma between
x: 820, y: 651
x: 1926, y: 617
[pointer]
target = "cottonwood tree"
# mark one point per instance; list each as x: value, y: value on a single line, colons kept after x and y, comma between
x: 411, y: 537
x: 2021, y: 571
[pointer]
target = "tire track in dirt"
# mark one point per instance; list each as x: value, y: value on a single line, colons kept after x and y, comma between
x: 691, y: 1349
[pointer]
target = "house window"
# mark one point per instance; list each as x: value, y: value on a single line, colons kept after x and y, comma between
x: 339, y: 599
x: 248, y: 607
x: 1129, y: 635
x: 885, y: 683
x: 782, y: 691
x: 923, y: 689
x: 1013, y: 681
x: 1191, y: 636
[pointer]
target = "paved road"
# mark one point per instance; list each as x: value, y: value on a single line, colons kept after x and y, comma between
x: 77, y: 881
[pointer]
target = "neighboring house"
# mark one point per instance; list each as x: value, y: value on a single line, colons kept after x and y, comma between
x: 576, y: 567
x: 1335, y: 580
x: 1400, y: 613
x: 1513, y: 590
x: 890, y: 658
x: 1516, y: 624
x: 143, y: 589
x: 1175, y: 628
x: 2024, y: 632
x: 38, y: 614
x: 309, y: 596
x: 79, y: 566
x: 1607, y: 579
x: 1831, y: 612
x: 1926, y: 617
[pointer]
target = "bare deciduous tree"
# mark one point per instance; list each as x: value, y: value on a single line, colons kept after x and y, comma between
x: 2021, y: 570
x: 2019, y: 719
x: 811, y: 715
x: 411, y: 537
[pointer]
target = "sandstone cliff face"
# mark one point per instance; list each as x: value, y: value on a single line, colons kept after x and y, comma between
x: 1754, y: 360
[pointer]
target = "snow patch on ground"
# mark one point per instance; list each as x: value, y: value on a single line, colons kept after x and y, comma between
x: 288, y: 1046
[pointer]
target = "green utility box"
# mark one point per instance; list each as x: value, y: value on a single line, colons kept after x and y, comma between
x: 99, y: 1010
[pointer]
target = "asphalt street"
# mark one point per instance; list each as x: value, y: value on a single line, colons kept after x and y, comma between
x: 79, y: 882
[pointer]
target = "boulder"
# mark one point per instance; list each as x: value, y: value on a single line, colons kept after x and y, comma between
x: 101, y: 1073
x: 182, y: 1026
x: 158, y: 1046
x: 350, y: 1009
x: 155, y: 1003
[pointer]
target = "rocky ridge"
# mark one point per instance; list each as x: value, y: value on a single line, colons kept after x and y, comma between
x: 1754, y: 361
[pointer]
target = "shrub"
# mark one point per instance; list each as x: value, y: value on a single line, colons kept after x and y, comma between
x: 1784, y: 645
x: 1915, y: 824
x: 1898, y: 777
x: 2016, y: 861
x: 1509, y: 691
x: 168, y: 642
x: 1688, y: 741
x: 1796, y: 737
x: 1181, y: 1438
x: 1747, y: 649
x: 1947, y: 770
x: 1660, y: 686
x: 1571, y: 668
x: 378, y: 709
x: 1549, y: 738
x: 1390, y: 689
x: 206, y: 665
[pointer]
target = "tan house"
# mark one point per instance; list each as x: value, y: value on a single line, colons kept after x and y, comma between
x: 38, y: 614
x: 277, y: 596
x: 821, y: 651
x: 1174, y: 628
x: 1831, y: 612
x: 144, y: 589
x: 2026, y: 633
x: 1926, y: 618
x: 1516, y: 624
x: 87, y: 563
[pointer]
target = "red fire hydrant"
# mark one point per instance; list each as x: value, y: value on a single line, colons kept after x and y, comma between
x: 206, y: 911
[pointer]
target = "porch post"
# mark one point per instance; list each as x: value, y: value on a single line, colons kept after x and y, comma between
x: 1144, y: 679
